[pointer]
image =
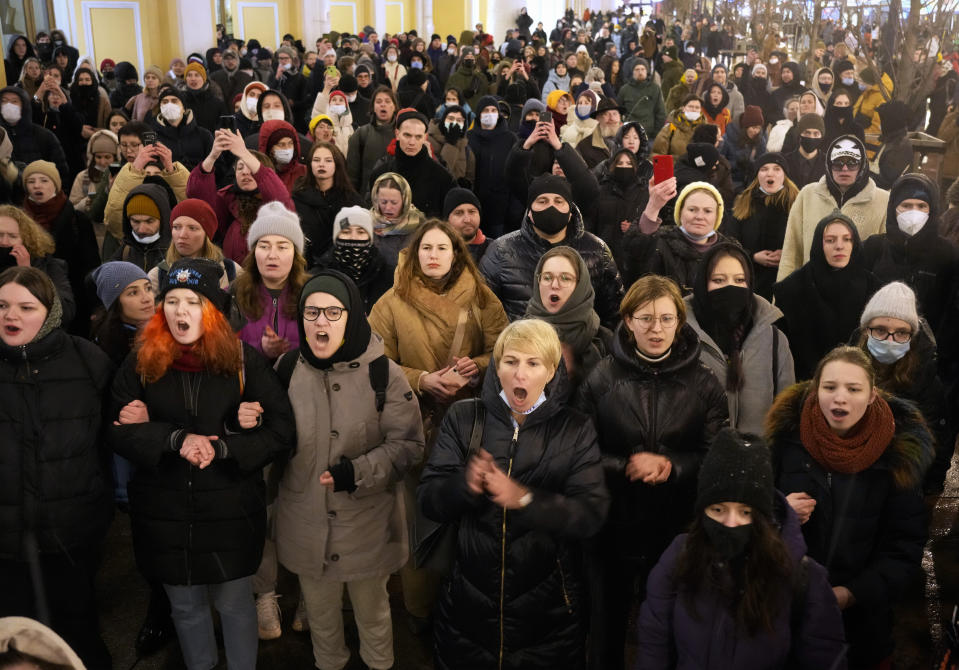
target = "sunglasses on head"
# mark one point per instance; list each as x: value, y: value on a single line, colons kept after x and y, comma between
x: 850, y: 163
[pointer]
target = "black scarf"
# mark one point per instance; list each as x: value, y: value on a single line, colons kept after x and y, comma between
x: 353, y: 256
x: 356, y: 338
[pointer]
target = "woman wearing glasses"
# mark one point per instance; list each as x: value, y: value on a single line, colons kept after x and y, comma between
x: 563, y: 297
x: 340, y: 519
x: 903, y: 352
x: 656, y: 409
x: 850, y: 460
x: 821, y: 301
x: 439, y: 321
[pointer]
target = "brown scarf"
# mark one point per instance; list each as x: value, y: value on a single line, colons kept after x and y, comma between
x: 45, y: 213
x: 858, y: 449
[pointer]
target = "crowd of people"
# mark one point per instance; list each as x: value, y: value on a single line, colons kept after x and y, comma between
x: 597, y: 339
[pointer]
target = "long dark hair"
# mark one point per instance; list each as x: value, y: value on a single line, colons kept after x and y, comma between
x: 751, y: 587
x: 341, y: 180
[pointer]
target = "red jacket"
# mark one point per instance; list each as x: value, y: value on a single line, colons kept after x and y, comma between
x: 293, y: 170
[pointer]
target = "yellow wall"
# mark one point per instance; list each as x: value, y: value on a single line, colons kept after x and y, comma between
x: 394, y: 14
x: 450, y: 17
x: 114, y: 36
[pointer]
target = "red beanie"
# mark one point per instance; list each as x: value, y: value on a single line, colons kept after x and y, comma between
x: 199, y: 211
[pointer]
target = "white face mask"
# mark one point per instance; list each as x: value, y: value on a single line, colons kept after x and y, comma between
x: 911, y: 221
x: 149, y: 239
x: 287, y: 66
x: 351, y: 97
x: 338, y: 110
x: 773, y: 61
x: 584, y: 110
x: 251, y: 105
x: 451, y: 52
x: 171, y: 111
x: 391, y: 58
x: 690, y: 50
x: 692, y: 116
x: 10, y: 111
x: 489, y: 119
x: 273, y: 115
x: 283, y: 156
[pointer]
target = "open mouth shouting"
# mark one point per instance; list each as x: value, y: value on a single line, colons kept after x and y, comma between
x: 11, y: 330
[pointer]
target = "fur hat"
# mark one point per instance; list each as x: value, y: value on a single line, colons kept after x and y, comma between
x: 275, y: 219
x: 113, y: 277
x: 195, y: 67
x: 353, y: 216
x: 894, y: 300
x: 199, y: 211
x: 45, y: 168
x: 736, y: 469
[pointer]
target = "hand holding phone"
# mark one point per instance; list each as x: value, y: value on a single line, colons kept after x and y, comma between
x: 662, y: 168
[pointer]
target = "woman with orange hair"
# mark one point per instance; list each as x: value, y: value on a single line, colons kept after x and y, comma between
x: 200, y: 413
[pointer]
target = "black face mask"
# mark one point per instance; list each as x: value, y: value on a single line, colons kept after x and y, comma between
x: 843, y: 113
x: 728, y: 542
x: 7, y: 259
x: 469, y: 64
x: 353, y: 256
x: 824, y: 87
x: 453, y: 132
x: 550, y: 220
x: 110, y: 75
x: 624, y: 175
x: 728, y: 304
x: 810, y: 144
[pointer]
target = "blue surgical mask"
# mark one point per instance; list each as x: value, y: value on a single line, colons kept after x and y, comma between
x: 888, y: 351
x: 848, y: 81
x: 417, y: 65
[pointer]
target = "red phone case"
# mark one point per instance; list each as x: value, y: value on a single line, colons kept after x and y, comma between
x: 662, y: 168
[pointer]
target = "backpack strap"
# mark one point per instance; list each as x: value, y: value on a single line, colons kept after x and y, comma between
x: 285, y: 367
x: 476, y: 434
x: 380, y: 379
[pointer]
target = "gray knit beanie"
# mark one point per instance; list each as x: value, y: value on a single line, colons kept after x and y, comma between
x: 894, y: 300
x: 275, y: 219
x: 353, y: 216
x: 113, y: 277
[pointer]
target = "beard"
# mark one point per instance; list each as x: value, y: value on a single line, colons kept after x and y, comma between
x: 608, y: 129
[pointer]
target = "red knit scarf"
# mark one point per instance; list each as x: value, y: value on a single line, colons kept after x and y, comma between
x: 188, y: 360
x: 858, y: 449
x: 45, y: 213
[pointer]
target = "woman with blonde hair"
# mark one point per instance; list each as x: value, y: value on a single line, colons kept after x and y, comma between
x: 759, y: 219
x: 23, y: 243
x: 521, y: 502
x: 439, y: 322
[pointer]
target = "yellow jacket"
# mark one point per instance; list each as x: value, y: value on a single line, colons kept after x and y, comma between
x: 867, y: 104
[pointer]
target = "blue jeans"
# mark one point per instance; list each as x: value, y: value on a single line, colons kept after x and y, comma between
x: 190, y: 607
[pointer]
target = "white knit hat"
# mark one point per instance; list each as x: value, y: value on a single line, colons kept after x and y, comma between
x: 894, y: 300
x: 353, y: 216
x: 275, y: 219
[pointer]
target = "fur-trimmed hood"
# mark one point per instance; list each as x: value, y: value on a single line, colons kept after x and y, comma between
x: 907, y: 457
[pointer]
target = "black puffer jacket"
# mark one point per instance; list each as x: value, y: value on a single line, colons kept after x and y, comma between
x: 316, y: 210
x: 666, y: 252
x: 206, y: 105
x: 674, y: 408
x: 52, y: 481
x: 763, y: 230
x: 511, y: 260
x: 193, y: 526
x: 869, y: 528
x: 516, y: 587
x: 927, y: 262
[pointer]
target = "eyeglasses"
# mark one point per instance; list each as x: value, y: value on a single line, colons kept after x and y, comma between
x: 900, y: 336
x: 845, y: 163
x: 565, y: 278
x: 647, y: 320
x: 331, y: 313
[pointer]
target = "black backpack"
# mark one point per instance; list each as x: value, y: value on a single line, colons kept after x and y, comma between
x: 379, y: 374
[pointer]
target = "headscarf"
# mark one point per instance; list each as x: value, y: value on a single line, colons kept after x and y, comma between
x: 576, y: 322
x: 409, y: 218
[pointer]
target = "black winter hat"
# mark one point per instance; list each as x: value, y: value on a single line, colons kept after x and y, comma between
x: 459, y: 196
x: 125, y: 70
x: 200, y: 275
x: 706, y: 132
x: 415, y: 78
x: 737, y: 468
x: 408, y: 113
x: 893, y: 117
x: 841, y: 66
x: 702, y: 155
x: 348, y: 83
x: 549, y: 183
x: 772, y: 157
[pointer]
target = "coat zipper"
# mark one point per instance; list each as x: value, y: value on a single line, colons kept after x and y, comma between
x: 562, y: 580
x: 276, y: 317
x: 502, y: 576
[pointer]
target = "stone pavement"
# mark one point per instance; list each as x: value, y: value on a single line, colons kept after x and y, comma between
x: 123, y: 600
